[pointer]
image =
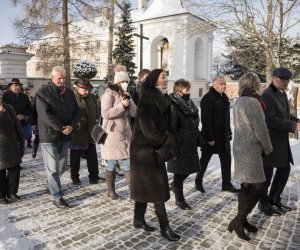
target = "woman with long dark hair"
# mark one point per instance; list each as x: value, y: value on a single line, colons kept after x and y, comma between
x: 151, y: 146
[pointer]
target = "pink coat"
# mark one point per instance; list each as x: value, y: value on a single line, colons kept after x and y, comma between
x: 116, y: 122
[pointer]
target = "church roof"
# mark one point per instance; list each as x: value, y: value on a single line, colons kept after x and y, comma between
x: 165, y: 8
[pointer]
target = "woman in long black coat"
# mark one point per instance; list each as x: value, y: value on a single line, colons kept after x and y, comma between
x: 11, y: 143
x: 184, y: 125
x: 151, y: 135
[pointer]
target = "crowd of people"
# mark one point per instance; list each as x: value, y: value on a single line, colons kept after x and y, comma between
x: 149, y: 133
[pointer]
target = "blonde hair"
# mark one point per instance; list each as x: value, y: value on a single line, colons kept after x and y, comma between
x: 58, y: 69
x: 249, y: 81
x: 181, y: 84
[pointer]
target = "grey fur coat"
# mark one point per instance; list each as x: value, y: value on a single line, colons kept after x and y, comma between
x: 251, y: 140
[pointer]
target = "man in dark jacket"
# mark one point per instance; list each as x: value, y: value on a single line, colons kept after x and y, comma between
x: 11, y: 144
x: 57, y: 112
x: 82, y: 142
x: 21, y: 105
x: 215, y: 118
x: 280, y: 122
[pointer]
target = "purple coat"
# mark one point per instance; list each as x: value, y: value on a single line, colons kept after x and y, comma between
x: 116, y: 122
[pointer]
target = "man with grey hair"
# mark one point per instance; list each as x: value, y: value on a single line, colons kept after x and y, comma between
x: 57, y: 111
x: 215, y: 118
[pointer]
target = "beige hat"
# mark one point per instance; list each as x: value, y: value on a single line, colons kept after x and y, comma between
x: 121, y: 76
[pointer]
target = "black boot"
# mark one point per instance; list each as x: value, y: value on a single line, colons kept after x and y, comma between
x: 139, y: 217
x: 199, y: 186
x: 165, y: 230
x: 180, y: 201
x: 237, y: 224
x: 143, y: 225
x: 34, y: 149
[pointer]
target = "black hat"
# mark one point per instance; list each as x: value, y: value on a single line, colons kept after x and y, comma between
x: 83, y: 83
x: 15, y: 81
x: 282, y: 73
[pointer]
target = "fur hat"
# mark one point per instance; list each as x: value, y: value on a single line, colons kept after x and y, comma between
x: 121, y: 76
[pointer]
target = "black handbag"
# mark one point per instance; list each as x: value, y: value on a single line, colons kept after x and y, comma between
x: 98, y: 133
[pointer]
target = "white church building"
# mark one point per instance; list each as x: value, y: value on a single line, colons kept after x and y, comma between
x: 176, y: 39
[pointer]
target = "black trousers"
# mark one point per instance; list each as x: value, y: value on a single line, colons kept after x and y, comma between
x: 277, y: 185
x: 225, y: 159
x: 91, y: 159
x: 160, y: 211
x: 9, y: 181
x: 178, y: 186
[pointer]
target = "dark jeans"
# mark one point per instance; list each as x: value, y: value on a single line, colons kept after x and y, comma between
x: 91, y: 159
x: 178, y: 186
x: 160, y: 211
x: 279, y: 181
x: 9, y: 181
x: 225, y: 159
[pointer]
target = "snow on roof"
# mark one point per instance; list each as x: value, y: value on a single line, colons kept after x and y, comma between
x: 165, y: 8
x: 13, y: 45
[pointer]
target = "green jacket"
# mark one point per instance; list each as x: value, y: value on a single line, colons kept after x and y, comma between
x: 87, y: 119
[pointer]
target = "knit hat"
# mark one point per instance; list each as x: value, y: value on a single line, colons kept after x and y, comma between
x: 121, y: 76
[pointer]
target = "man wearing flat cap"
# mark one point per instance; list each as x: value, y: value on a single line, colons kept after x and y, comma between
x: 20, y: 103
x: 82, y: 142
x: 280, y: 123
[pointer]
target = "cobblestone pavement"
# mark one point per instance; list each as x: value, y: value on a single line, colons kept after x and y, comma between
x: 95, y: 222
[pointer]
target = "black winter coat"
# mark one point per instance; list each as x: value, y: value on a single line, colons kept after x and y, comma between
x: 149, y: 180
x: 55, y: 109
x: 11, y: 138
x: 20, y: 102
x: 184, y: 125
x: 215, y: 118
x: 280, y: 123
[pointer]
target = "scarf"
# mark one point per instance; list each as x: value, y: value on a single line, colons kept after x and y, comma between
x: 252, y: 93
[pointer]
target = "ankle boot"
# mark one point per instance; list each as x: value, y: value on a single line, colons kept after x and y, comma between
x: 237, y: 225
x: 143, y: 225
x: 199, y: 187
x: 110, y: 182
x: 180, y: 201
x: 168, y: 233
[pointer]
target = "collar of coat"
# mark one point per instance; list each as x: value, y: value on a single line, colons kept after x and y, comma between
x: 272, y: 86
x: 59, y: 90
x: 216, y: 93
x: 162, y: 101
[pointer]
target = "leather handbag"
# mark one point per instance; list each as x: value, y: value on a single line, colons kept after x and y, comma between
x: 98, y: 133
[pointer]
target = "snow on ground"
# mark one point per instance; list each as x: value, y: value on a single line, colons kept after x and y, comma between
x: 35, y: 223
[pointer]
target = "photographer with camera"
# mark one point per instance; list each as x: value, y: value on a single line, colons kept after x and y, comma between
x: 117, y: 107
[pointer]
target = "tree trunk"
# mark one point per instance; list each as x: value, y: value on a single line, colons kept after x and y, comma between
x: 293, y: 107
x: 66, y: 42
x: 110, y: 40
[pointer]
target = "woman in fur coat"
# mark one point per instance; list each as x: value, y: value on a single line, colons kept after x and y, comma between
x: 151, y: 140
x: 251, y: 142
x: 11, y: 152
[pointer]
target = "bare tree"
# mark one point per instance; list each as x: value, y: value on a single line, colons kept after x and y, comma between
x: 265, y: 22
x: 42, y: 18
